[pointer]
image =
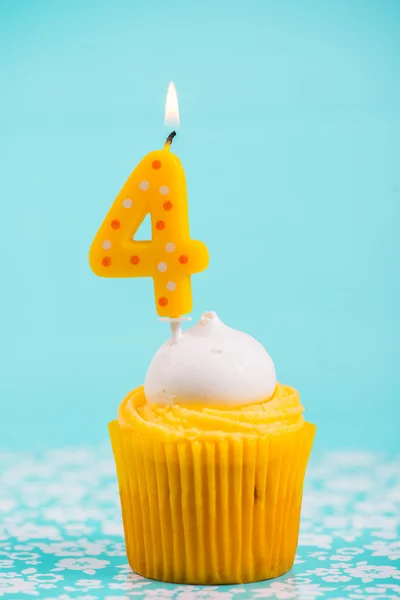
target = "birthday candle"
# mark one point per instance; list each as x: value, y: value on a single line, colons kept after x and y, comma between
x: 156, y: 186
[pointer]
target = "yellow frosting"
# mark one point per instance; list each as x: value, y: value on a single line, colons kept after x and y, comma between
x: 280, y: 413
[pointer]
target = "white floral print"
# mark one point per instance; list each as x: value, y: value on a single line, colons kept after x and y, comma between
x: 61, y: 533
x: 86, y: 564
x: 368, y: 572
x: 382, y: 548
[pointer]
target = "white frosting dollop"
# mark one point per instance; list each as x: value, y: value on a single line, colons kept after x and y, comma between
x: 210, y: 365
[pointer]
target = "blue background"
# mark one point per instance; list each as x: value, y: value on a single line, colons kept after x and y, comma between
x: 290, y: 140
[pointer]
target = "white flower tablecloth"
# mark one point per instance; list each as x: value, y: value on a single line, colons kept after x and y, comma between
x: 61, y: 534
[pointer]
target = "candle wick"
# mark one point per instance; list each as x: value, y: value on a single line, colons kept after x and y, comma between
x: 169, y: 139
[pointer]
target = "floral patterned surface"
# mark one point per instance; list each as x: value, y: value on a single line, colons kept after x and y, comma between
x: 61, y: 534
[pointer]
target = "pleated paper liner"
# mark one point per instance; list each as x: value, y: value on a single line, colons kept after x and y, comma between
x: 212, y: 512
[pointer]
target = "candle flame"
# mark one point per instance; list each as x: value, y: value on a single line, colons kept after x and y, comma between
x: 171, y: 107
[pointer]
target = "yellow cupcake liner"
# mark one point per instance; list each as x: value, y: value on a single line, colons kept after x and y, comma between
x: 211, y: 512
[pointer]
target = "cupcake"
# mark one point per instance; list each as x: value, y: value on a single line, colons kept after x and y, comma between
x: 211, y: 454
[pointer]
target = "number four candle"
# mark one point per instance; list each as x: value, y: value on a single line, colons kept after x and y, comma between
x: 157, y: 187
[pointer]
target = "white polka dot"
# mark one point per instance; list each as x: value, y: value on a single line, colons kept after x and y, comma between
x: 164, y: 189
x: 107, y: 245
x: 127, y: 203
x: 162, y: 267
x: 170, y: 247
x: 171, y: 286
x: 144, y: 185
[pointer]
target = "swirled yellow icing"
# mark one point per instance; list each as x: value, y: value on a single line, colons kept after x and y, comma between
x: 280, y: 413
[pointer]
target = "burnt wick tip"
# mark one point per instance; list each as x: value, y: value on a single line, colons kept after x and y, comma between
x: 170, y: 137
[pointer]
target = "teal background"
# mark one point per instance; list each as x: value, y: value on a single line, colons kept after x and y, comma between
x: 290, y: 140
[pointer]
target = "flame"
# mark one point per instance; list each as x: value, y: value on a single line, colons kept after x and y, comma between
x: 171, y: 107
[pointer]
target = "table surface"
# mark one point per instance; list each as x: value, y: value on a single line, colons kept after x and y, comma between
x: 61, y: 535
